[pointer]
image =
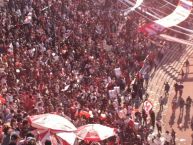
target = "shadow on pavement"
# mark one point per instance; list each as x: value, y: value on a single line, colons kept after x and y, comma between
x: 186, y: 80
x: 159, y: 115
x: 187, y: 118
x: 174, y: 107
x: 165, y: 100
x: 181, y: 103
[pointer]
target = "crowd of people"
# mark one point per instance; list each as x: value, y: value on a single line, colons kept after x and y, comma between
x: 74, y: 56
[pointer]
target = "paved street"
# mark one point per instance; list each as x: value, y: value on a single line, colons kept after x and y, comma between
x: 181, y: 122
x: 168, y: 71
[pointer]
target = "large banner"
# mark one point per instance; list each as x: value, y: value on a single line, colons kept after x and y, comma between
x: 134, y: 6
x: 180, y: 14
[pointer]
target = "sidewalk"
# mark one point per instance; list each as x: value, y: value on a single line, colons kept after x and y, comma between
x: 180, y: 122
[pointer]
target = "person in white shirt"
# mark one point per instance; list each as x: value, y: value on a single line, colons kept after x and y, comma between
x: 168, y: 138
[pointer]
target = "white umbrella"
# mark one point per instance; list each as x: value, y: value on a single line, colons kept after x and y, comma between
x: 94, y: 132
x: 51, y: 121
x: 66, y: 138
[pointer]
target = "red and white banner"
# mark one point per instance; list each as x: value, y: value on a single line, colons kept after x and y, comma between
x: 134, y: 6
x: 180, y: 14
x: 64, y: 138
x: 147, y: 105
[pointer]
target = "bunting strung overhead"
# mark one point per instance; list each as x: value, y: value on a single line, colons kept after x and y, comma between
x: 180, y: 14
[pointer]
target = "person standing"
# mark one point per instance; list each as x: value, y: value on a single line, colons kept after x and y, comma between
x: 168, y: 138
x: 144, y: 116
x: 181, y: 104
x: 187, y: 64
x: 181, y: 87
x: 166, y: 88
x: 176, y: 88
x: 146, y: 78
x: 188, y: 103
x: 191, y: 123
x: 173, y: 135
x: 152, y: 117
x: 182, y: 74
x: 161, y: 103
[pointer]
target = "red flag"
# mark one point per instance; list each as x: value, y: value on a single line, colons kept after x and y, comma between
x: 2, y: 100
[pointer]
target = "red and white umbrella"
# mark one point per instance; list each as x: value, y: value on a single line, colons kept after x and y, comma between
x: 94, y: 132
x: 51, y: 121
x: 66, y: 138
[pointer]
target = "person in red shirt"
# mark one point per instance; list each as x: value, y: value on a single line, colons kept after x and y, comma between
x: 29, y: 103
